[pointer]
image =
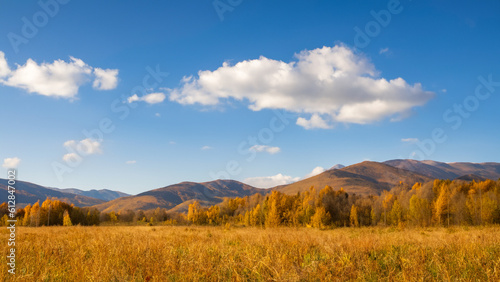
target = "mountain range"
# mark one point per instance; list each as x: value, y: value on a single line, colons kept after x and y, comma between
x: 103, y: 194
x: 365, y: 178
x: 177, y: 196
x: 29, y: 193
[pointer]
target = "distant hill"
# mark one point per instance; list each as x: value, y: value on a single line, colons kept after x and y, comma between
x: 470, y: 177
x: 366, y: 178
x: 29, y: 193
x: 450, y: 171
x: 103, y: 194
x: 169, y: 197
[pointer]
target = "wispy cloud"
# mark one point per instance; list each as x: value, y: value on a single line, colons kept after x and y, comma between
x: 205, y: 148
x: 153, y: 98
x: 265, y: 148
x: 130, y: 162
x: 384, y: 50
x: 410, y: 140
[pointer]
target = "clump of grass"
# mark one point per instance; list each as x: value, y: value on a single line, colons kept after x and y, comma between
x: 124, y: 253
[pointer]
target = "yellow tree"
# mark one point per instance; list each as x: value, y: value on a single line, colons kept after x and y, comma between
x: 397, y: 214
x: 354, y: 216
x: 213, y: 215
x: 35, y: 214
x: 273, y: 218
x: 488, y: 207
x: 66, y: 219
x: 419, y: 211
x: 4, y: 220
x: 113, y: 217
x: 257, y: 217
x: 441, y: 206
x: 320, y: 218
x: 196, y: 214
x: 27, y: 215
x: 416, y: 186
x: 386, y: 201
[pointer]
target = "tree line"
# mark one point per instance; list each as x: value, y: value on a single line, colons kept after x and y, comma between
x: 436, y: 203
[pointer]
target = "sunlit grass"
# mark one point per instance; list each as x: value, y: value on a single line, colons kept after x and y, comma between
x: 162, y: 253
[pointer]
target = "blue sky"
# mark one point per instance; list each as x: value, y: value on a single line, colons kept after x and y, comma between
x: 393, y: 92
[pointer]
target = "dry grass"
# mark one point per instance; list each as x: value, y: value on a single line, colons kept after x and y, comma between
x: 160, y: 253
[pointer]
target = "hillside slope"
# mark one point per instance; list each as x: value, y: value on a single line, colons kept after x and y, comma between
x: 29, y: 193
x: 442, y: 170
x: 208, y: 193
x: 366, y: 178
x: 103, y: 194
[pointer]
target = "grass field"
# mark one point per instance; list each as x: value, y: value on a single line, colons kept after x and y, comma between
x: 161, y: 253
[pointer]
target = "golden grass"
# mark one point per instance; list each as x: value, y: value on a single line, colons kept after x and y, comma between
x: 161, y: 253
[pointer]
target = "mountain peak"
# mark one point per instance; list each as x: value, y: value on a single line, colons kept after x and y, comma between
x: 337, y: 166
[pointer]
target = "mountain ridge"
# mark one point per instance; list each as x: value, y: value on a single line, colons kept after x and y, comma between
x: 29, y: 193
x: 441, y: 170
x: 171, y: 196
x: 102, y: 194
x: 365, y: 178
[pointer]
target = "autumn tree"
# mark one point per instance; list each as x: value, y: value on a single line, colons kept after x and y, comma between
x: 67, y: 219
x: 397, y: 213
x: 441, y: 206
x: 387, y: 198
x: 321, y: 218
x: 354, y: 216
x: 273, y: 218
x: 195, y: 213
x: 213, y: 215
x: 420, y: 211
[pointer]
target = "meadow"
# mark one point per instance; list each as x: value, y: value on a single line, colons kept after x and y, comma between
x: 185, y: 253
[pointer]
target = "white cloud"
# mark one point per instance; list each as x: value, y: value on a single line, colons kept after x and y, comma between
x: 265, y: 148
x: 4, y: 67
x: 71, y: 157
x: 317, y: 170
x: 157, y: 115
x: 384, y: 50
x: 444, y: 90
x: 153, y: 98
x: 11, y: 162
x: 130, y: 162
x: 105, y: 79
x: 81, y: 148
x: 332, y: 84
x: 204, y: 148
x: 270, y: 181
x: 172, y: 143
x: 314, y: 122
x: 410, y: 140
x: 59, y: 79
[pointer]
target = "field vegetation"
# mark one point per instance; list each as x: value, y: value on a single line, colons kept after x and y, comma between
x: 175, y: 253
